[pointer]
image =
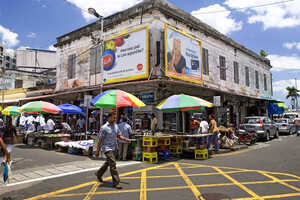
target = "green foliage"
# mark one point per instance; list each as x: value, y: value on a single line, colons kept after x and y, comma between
x: 263, y: 53
x: 292, y: 92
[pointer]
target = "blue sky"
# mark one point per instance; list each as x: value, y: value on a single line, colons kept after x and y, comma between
x: 272, y: 25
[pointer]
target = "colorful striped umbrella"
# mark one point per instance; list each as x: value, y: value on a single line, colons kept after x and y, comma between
x: 116, y: 98
x: 11, y: 110
x: 183, y: 102
x: 40, y: 107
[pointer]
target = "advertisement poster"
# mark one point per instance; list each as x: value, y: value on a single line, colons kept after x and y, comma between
x: 183, y: 56
x: 126, y: 56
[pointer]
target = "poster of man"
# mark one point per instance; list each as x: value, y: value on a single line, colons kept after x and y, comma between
x: 183, y: 55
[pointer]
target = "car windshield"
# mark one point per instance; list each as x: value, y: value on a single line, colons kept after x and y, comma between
x: 251, y: 121
x: 281, y: 121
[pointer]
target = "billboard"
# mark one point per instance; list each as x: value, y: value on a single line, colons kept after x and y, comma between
x: 126, y: 56
x: 183, y: 56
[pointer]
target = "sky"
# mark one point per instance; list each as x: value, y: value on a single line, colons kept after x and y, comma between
x: 272, y: 25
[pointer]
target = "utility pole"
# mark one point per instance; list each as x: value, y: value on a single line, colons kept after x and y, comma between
x: 296, y: 96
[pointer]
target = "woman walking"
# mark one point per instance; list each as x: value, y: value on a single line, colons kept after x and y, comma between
x: 215, y: 131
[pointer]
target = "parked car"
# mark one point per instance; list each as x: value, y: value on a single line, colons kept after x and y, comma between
x: 291, y: 115
x: 285, y: 125
x: 263, y: 127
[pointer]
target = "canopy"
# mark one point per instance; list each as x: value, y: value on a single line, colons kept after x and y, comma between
x: 70, y: 109
x: 282, y: 105
x: 116, y: 98
x: 183, y: 102
x: 11, y: 110
x: 273, y: 108
x: 40, y: 107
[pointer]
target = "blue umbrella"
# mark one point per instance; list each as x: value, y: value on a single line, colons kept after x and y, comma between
x: 70, y: 109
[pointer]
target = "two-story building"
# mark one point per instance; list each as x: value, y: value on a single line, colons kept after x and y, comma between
x: 154, y: 50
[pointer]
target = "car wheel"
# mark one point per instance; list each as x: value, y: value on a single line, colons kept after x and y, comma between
x: 290, y: 132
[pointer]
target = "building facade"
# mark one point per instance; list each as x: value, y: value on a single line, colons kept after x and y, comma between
x: 155, y: 50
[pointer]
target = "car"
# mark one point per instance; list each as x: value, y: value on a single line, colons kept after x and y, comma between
x: 285, y: 125
x: 291, y: 115
x: 263, y: 127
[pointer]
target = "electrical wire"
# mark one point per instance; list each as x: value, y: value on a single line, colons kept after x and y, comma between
x: 257, y: 6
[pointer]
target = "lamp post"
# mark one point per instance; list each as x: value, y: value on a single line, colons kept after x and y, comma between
x: 92, y: 11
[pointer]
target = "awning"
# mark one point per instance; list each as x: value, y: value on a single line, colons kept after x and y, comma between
x: 11, y: 96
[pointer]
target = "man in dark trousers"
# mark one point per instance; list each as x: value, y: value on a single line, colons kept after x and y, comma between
x: 109, y: 133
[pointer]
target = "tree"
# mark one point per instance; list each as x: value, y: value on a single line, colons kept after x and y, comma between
x: 263, y: 53
x: 292, y: 93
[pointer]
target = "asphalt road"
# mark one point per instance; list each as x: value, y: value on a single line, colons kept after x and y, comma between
x: 267, y: 171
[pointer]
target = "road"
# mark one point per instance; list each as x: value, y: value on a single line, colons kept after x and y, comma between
x: 268, y: 172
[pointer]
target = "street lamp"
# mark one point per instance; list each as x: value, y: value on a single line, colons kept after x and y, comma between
x: 92, y: 11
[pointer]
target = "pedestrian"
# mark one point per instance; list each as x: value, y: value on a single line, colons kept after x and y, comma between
x: 194, y: 125
x: 203, y: 129
x: 8, y: 134
x: 153, y: 123
x: 51, y: 125
x: 92, y: 122
x: 109, y: 133
x: 80, y: 124
x: 215, y: 131
x: 126, y: 131
x: 4, y: 149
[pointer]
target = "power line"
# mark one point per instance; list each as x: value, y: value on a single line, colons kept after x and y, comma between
x: 262, y: 5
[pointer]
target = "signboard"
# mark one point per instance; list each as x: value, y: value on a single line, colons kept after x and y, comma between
x: 146, y: 97
x: 217, y: 101
x: 183, y: 56
x: 126, y: 56
x: 87, y: 100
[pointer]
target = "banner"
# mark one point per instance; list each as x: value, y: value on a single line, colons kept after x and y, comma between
x: 126, y: 56
x: 183, y: 56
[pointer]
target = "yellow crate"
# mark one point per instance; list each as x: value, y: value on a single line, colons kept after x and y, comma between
x: 175, y: 149
x: 150, y: 157
x: 201, y: 154
x: 150, y: 141
x: 164, y: 141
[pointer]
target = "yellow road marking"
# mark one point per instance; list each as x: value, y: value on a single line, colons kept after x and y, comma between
x: 189, y: 183
x: 279, y: 173
x: 92, y: 191
x: 232, y: 153
x: 280, y: 181
x: 272, y: 196
x: 143, y: 192
x: 238, y: 184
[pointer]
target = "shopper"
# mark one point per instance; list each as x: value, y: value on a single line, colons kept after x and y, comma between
x: 126, y: 131
x: 8, y: 134
x: 80, y: 124
x: 154, y: 123
x: 51, y: 125
x: 203, y: 129
x: 109, y: 133
x: 215, y: 131
x: 194, y: 125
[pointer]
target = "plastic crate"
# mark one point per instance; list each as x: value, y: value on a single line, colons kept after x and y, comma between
x: 164, y: 141
x: 176, y: 150
x: 201, y: 154
x: 150, y: 141
x: 164, y: 155
x: 163, y: 148
x: 149, y: 149
x: 150, y: 157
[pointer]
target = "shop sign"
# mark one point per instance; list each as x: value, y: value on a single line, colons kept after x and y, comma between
x: 126, y: 56
x: 183, y: 56
x: 146, y: 97
x: 217, y: 100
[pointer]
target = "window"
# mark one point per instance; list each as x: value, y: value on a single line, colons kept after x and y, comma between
x: 256, y: 80
x: 265, y: 82
x: 95, y: 62
x: 247, y: 76
x: 18, y: 83
x: 71, y: 66
x: 222, y: 68
x: 205, y: 61
x: 236, y: 72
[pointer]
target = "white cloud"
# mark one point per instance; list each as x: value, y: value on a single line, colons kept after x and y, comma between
x: 8, y: 37
x: 10, y: 52
x: 104, y: 8
x: 281, y: 85
x: 291, y: 45
x: 31, y: 35
x: 52, y: 48
x: 273, y: 16
x: 280, y: 63
x: 223, y: 22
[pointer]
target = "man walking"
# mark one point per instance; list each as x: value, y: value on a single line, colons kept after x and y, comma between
x: 109, y: 133
x: 126, y: 131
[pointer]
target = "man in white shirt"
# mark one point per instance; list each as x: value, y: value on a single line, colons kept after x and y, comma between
x: 80, y: 124
x: 203, y: 130
x: 50, y: 124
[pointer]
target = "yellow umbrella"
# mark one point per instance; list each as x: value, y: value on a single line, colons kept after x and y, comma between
x: 282, y: 105
x: 11, y: 110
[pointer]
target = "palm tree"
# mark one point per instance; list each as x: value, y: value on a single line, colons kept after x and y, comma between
x: 293, y: 94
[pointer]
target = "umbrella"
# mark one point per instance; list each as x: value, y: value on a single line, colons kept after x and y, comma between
x: 183, y: 102
x: 115, y: 99
x: 40, y: 107
x: 70, y: 109
x: 282, y: 105
x: 11, y: 110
